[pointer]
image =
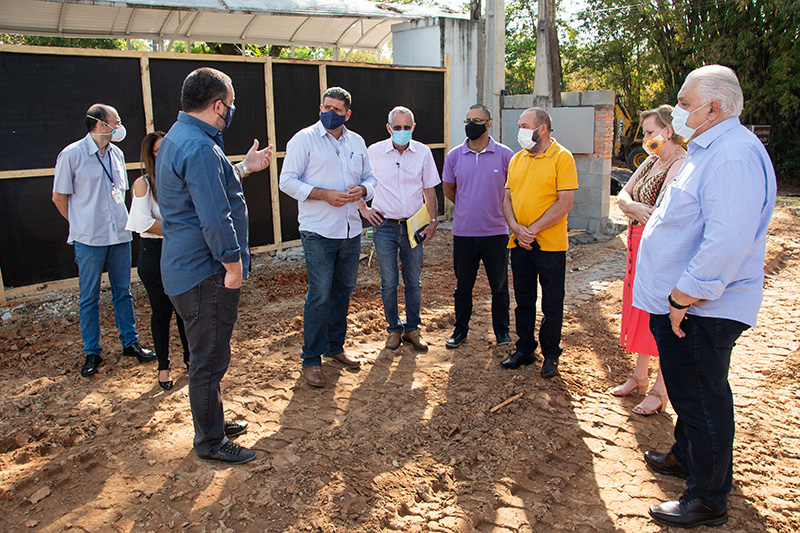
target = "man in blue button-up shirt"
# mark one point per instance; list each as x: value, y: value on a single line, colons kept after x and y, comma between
x: 700, y: 275
x: 327, y: 171
x: 89, y: 191
x: 206, y: 252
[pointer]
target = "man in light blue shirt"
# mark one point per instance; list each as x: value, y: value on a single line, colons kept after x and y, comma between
x: 700, y: 275
x: 89, y: 192
x: 327, y: 171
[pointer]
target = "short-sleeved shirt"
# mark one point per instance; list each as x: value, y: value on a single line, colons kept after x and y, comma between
x: 202, y: 203
x: 95, y: 218
x: 480, y: 179
x: 534, y: 183
x: 144, y: 213
x: 401, y: 177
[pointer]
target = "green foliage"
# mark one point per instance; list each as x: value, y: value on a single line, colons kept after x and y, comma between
x: 66, y: 42
x: 645, y: 49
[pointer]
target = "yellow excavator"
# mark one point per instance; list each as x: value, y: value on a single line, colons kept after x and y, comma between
x: 627, y: 137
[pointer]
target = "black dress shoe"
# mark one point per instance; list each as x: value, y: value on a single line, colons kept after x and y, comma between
x: 456, y: 339
x: 136, y: 350
x: 665, y: 463
x: 549, y: 368
x: 230, y: 452
x: 503, y: 339
x: 687, y: 514
x: 90, y: 367
x: 517, y: 359
x: 235, y: 427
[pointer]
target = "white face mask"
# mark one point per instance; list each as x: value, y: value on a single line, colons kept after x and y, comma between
x: 679, y: 118
x: 525, y: 139
x: 117, y: 134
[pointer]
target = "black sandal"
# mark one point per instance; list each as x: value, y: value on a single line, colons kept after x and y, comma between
x: 166, y: 385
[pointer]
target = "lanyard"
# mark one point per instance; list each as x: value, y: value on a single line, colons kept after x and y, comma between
x: 110, y: 177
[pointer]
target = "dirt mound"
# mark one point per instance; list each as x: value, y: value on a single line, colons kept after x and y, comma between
x: 410, y: 442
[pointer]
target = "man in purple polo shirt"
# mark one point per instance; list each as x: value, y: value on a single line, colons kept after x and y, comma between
x: 473, y: 179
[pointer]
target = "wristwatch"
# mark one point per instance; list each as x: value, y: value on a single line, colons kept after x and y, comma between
x: 675, y: 304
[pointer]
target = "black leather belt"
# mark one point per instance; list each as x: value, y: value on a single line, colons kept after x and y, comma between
x: 401, y: 221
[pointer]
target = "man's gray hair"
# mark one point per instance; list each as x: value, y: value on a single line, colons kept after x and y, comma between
x: 716, y: 82
x: 402, y: 110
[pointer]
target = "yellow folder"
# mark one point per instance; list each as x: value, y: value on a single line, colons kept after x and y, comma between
x: 419, y: 220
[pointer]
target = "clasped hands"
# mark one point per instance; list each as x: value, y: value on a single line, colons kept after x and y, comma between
x: 525, y: 236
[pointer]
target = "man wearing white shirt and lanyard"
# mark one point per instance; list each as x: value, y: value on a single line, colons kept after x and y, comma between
x: 327, y: 171
x: 406, y: 174
x: 89, y: 192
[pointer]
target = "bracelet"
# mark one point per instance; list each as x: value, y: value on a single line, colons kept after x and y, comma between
x: 675, y: 304
x: 244, y: 169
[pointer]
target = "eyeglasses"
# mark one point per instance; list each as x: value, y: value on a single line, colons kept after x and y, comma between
x: 476, y: 120
x: 402, y: 128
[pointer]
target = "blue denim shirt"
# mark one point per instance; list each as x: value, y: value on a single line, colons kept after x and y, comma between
x: 708, y: 235
x: 202, y: 203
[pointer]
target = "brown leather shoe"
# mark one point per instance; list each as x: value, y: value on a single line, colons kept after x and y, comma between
x: 314, y: 376
x: 415, y: 339
x: 346, y: 360
x: 393, y: 342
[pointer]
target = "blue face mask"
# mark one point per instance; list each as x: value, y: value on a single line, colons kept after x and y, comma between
x: 228, y: 118
x: 401, y: 137
x: 331, y: 120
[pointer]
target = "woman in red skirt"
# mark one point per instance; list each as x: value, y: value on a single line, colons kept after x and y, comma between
x: 638, y: 200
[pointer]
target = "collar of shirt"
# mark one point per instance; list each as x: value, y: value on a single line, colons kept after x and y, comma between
x: 321, y: 131
x: 465, y: 149
x: 91, y: 146
x: 390, y: 146
x: 204, y: 126
x: 550, y: 152
x: 707, y: 137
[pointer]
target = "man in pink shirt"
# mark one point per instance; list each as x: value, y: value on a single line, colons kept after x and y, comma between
x: 406, y: 176
x: 474, y: 179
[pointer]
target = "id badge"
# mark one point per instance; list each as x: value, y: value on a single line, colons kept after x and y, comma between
x: 117, y: 195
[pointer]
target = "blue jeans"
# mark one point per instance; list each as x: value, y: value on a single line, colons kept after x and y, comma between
x: 468, y: 252
x: 209, y: 311
x: 91, y: 261
x: 549, y: 270
x: 391, y: 240
x: 332, y: 266
x: 695, y: 370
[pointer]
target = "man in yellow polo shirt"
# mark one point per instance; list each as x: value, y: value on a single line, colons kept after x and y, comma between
x: 541, y: 184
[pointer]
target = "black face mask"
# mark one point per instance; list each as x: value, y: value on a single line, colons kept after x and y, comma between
x: 474, y: 131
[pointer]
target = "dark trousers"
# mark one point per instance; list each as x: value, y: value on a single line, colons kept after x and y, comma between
x: 149, y: 268
x: 209, y: 311
x: 468, y: 252
x: 548, y: 269
x: 695, y: 370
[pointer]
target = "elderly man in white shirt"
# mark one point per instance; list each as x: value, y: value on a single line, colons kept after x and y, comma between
x: 406, y: 176
x: 327, y: 171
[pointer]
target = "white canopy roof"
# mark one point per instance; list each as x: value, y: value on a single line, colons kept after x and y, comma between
x: 361, y: 24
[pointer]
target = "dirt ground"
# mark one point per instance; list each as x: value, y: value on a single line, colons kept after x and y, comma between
x: 407, y: 443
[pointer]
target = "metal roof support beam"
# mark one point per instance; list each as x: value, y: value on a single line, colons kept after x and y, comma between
x: 62, y: 15
x: 363, y: 35
x: 130, y: 21
x: 116, y: 16
x: 194, y: 21
x: 350, y: 27
x: 299, y: 28
x: 167, y: 20
x: 243, y: 36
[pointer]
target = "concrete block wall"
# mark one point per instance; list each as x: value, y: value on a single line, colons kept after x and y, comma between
x: 590, y: 208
